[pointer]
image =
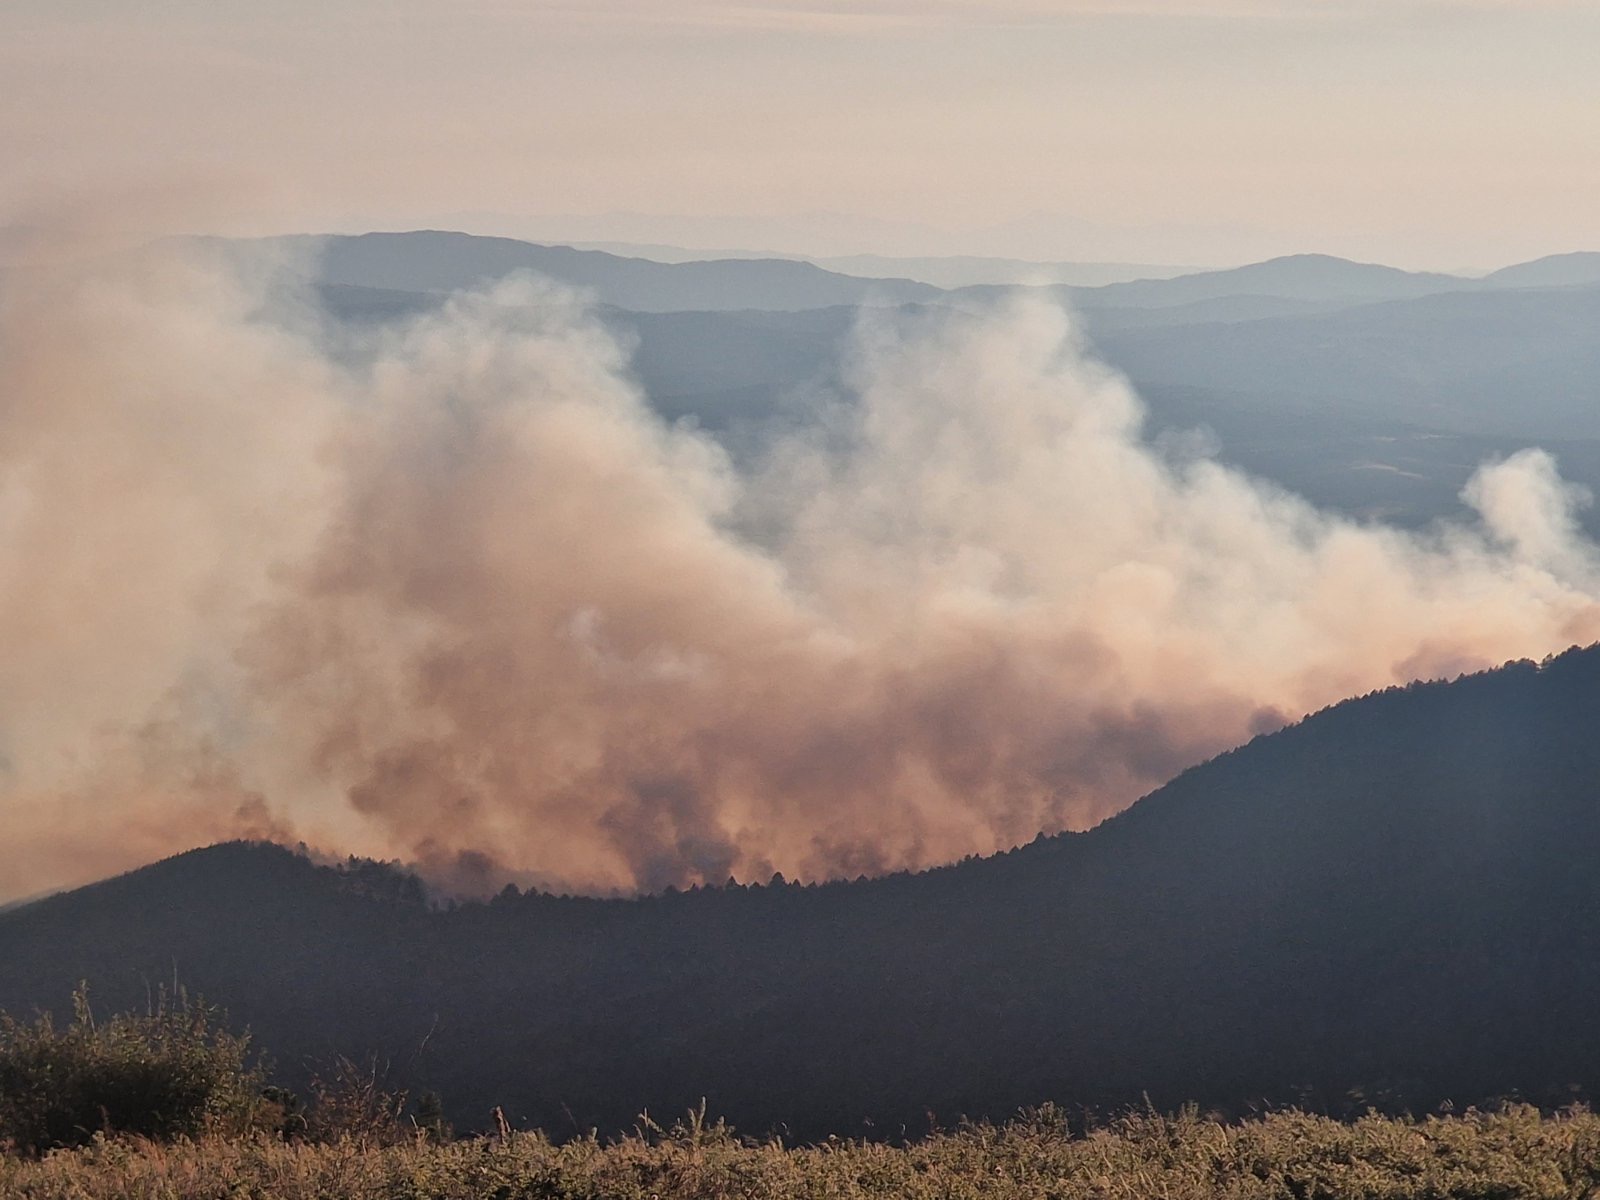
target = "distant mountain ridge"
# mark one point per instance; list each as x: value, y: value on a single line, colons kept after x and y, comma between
x: 1380, y: 410
x: 1555, y: 270
x: 1377, y: 409
x: 1392, y: 901
x: 436, y: 261
x: 443, y: 261
x: 1512, y: 361
x: 1314, y: 277
x: 945, y: 270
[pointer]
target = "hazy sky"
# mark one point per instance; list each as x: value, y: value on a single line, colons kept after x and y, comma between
x: 1423, y: 132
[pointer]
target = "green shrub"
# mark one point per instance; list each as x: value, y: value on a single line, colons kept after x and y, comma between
x: 171, y: 1072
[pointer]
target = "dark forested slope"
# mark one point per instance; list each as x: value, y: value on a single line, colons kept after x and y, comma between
x: 1396, y: 895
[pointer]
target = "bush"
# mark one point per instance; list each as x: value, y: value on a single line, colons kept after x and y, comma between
x: 352, y: 1102
x: 171, y: 1072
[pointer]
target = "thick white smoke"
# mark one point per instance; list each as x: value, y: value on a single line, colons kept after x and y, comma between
x: 469, y: 602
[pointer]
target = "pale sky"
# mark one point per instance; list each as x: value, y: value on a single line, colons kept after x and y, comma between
x: 1427, y: 133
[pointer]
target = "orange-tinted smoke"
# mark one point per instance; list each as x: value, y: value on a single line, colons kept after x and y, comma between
x: 470, y: 603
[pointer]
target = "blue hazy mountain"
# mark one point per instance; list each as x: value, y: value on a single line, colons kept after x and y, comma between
x: 432, y: 261
x: 1556, y: 270
x: 1314, y: 277
x: 1378, y: 410
x: 1518, y: 362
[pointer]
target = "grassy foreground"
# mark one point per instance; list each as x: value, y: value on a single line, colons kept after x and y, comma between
x: 1514, y: 1153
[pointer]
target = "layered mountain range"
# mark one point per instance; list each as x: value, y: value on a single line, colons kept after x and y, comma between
x: 1369, y: 390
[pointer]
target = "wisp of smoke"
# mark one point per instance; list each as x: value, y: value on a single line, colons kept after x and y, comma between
x: 462, y: 598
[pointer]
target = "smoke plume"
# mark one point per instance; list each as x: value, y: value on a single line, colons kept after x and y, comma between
x: 456, y: 595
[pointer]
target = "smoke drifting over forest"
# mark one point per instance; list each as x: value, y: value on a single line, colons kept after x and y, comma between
x: 456, y: 594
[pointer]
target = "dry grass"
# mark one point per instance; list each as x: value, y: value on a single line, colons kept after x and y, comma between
x: 1516, y: 1153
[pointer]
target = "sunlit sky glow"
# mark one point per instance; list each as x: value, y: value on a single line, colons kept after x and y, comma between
x: 1428, y: 133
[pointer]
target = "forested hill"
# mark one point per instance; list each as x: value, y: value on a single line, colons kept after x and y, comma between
x: 1397, y: 895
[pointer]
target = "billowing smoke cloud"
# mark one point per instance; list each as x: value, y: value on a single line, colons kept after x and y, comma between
x: 462, y: 598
